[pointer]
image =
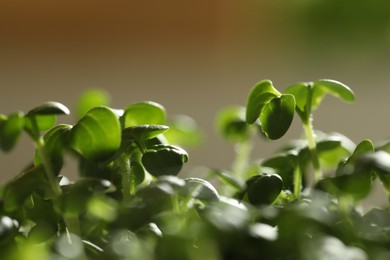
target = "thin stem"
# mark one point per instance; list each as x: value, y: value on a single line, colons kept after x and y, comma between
x: 240, y: 164
x: 313, y: 151
x: 308, y: 127
x: 40, y: 146
x: 128, y: 182
x: 297, y: 181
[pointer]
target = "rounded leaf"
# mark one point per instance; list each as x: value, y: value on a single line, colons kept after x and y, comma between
x: 49, y: 108
x: 264, y: 189
x: 97, y: 135
x: 183, y: 131
x: 141, y: 133
x: 91, y: 98
x: 164, y: 160
x: 258, y: 97
x: 56, y: 141
x: 335, y: 88
x: 277, y: 116
x: 144, y: 113
x: 200, y: 189
x: 299, y: 91
x: 231, y: 124
x: 10, y: 130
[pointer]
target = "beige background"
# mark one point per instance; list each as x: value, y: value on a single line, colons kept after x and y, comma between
x: 193, y: 57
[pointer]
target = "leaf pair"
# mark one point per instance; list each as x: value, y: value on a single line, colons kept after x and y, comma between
x: 308, y: 95
x: 38, y: 119
x: 275, y: 110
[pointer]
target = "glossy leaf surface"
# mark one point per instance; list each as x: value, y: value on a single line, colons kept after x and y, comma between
x: 97, y: 135
x: 277, y: 116
x: 141, y: 133
x: 262, y: 93
x: 164, y: 160
x: 183, y: 131
x: 144, y: 113
x: 49, y: 108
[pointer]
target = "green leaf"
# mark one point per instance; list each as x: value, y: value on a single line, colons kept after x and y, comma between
x: 10, y: 130
x: 262, y: 93
x: 77, y: 195
x: 364, y: 147
x: 97, y: 135
x: 91, y: 98
x: 277, y: 116
x: 44, y: 122
x: 200, y: 189
x: 231, y: 124
x: 183, y: 131
x: 320, y: 89
x: 264, y: 189
x: 228, y: 179
x: 284, y: 164
x: 141, y: 133
x: 56, y: 141
x: 17, y: 191
x: 164, y: 160
x: 49, y: 108
x: 144, y: 113
x: 335, y: 88
x: 299, y: 91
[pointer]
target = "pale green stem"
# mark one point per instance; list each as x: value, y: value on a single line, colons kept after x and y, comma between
x: 128, y: 181
x: 40, y: 146
x: 240, y: 164
x: 297, y: 181
x: 313, y: 151
x: 308, y: 127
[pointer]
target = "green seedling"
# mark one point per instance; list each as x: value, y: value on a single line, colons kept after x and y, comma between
x: 132, y: 198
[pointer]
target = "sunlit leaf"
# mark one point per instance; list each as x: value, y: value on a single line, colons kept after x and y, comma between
x: 141, y: 133
x: 49, y: 108
x: 97, y: 135
x: 335, y: 88
x: 10, y: 130
x: 183, y: 131
x: 56, y: 141
x: 144, y: 113
x: 262, y: 93
x: 91, y: 98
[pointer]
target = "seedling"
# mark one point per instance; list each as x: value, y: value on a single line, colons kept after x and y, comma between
x: 130, y: 203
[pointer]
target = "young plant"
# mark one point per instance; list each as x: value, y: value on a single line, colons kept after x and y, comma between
x: 129, y: 203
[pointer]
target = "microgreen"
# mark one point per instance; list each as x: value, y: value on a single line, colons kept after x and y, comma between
x: 131, y: 199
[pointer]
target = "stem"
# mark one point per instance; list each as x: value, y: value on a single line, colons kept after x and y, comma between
x: 308, y: 127
x: 313, y: 151
x: 297, y: 182
x: 40, y: 146
x: 240, y: 164
x: 128, y: 182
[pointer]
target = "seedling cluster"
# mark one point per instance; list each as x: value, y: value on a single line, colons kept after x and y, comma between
x: 129, y: 203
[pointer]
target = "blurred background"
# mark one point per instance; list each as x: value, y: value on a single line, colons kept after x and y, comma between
x: 194, y: 58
